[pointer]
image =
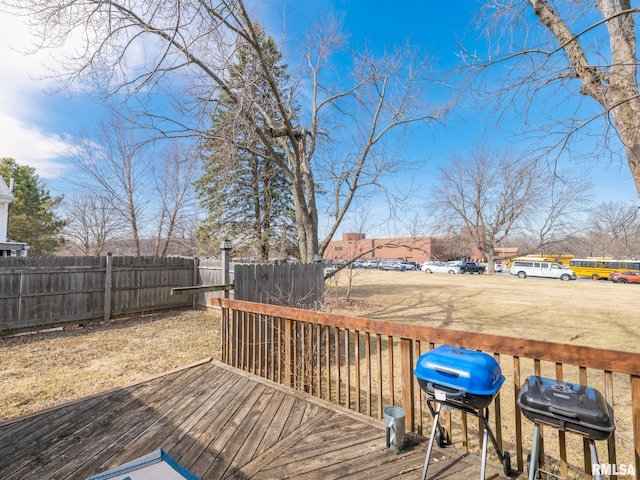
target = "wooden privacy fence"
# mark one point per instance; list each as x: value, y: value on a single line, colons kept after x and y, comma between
x: 297, y: 285
x: 210, y: 272
x: 366, y: 365
x: 42, y: 292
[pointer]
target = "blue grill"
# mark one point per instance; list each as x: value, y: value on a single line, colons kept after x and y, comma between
x: 466, y: 380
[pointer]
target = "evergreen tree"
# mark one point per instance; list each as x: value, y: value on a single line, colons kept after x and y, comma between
x: 32, y: 216
x: 247, y: 197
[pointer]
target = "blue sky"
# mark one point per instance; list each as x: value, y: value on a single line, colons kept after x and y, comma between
x: 38, y: 127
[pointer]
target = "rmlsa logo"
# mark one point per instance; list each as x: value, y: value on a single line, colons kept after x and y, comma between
x: 613, y: 469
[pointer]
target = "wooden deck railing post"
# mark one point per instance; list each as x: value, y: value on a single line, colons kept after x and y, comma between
x: 588, y: 462
x: 407, y: 382
x: 518, y: 415
x: 347, y: 367
x: 235, y: 338
x: 336, y: 343
x: 562, y: 435
x: 288, y: 352
x: 224, y: 331
x: 635, y: 411
x: 392, y: 388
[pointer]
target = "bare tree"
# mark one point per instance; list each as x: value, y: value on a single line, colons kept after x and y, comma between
x: 495, y: 195
x: 116, y: 162
x: 174, y: 186
x: 147, y: 183
x: 559, y: 53
x: 92, y: 224
x: 383, y: 95
x: 613, y: 229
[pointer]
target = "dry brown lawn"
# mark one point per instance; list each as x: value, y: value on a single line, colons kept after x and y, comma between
x: 583, y: 312
x: 43, y: 370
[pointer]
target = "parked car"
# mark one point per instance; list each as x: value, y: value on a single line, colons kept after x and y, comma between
x: 625, y: 277
x: 410, y: 265
x: 330, y: 270
x: 371, y: 264
x: 440, y: 267
x: 470, y: 267
x: 541, y: 269
x: 497, y: 267
x: 391, y: 265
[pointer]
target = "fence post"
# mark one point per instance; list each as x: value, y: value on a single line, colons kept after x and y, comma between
x: 107, y: 288
x: 196, y: 263
x: 226, y: 253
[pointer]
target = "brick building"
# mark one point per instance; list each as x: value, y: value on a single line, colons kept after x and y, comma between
x: 410, y: 249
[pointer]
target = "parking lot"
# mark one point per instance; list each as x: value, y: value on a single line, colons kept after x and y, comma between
x: 600, y: 314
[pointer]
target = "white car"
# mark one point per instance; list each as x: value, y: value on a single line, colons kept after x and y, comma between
x: 440, y: 267
x: 542, y: 269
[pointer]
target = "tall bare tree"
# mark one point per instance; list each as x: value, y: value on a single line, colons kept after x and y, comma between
x: 173, y: 180
x: 195, y: 38
x: 92, y: 224
x: 558, y: 53
x: 494, y: 195
x: 116, y: 162
x: 148, y: 184
x: 613, y: 230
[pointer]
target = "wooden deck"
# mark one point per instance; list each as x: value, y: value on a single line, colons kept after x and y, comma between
x: 220, y: 423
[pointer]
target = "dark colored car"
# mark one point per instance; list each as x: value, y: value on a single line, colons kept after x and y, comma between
x: 470, y: 267
x: 625, y: 277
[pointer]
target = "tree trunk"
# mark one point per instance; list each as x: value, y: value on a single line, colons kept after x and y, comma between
x: 615, y: 89
x: 627, y: 123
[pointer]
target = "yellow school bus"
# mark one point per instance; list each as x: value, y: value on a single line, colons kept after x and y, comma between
x: 600, y: 268
x: 562, y: 258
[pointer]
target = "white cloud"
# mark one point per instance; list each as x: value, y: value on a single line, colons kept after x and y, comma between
x: 21, y: 137
x: 29, y: 145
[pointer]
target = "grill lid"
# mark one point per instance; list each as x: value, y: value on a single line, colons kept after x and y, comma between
x: 576, y: 405
x: 461, y: 369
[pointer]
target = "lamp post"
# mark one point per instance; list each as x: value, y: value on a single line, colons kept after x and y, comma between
x: 225, y: 246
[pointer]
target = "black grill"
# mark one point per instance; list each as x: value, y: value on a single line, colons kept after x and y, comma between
x: 568, y: 407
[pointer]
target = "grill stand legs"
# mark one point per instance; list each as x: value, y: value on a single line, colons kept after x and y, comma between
x: 533, y: 464
x: 483, y: 464
x: 488, y: 434
x: 434, y: 428
x: 594, y: 458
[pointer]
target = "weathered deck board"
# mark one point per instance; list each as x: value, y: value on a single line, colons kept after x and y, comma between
x: 220, y: 423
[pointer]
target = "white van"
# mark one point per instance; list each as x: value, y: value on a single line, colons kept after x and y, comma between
x: 524, y: 269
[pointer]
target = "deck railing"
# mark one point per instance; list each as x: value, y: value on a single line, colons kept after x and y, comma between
x: 366, y: 365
